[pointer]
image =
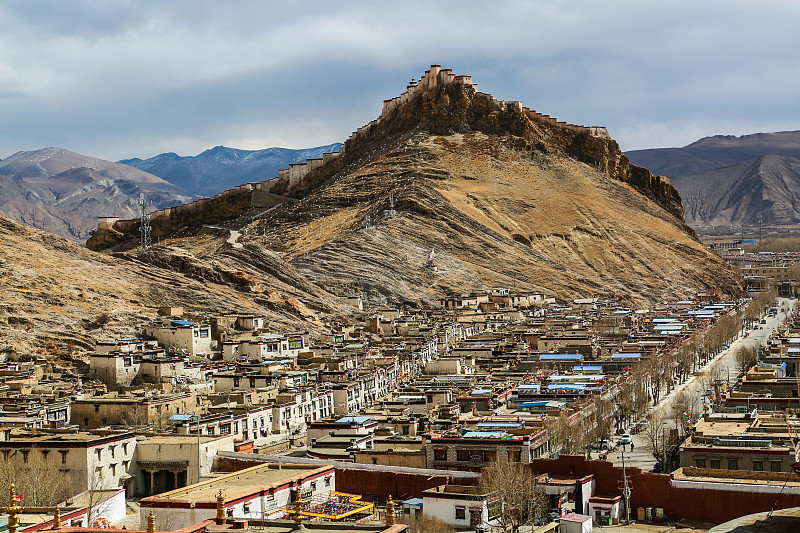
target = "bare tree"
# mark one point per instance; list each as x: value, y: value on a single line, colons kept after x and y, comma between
x: 40, y: 481
x: 523, y: 499
x: 653, y: 433
x: 745, y: 357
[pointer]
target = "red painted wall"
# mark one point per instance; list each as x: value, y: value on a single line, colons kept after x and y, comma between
x: 656, y: 490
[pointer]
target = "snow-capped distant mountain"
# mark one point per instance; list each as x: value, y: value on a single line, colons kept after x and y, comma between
x: 221, y: 168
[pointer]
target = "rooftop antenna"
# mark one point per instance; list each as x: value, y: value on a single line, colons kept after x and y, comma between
x: 144, y: 224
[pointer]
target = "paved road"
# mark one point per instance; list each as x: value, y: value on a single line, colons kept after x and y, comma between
x: 233, y: 235
x: 723, y: 366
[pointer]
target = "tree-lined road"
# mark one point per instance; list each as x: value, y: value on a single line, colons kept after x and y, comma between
x: 723, y: 366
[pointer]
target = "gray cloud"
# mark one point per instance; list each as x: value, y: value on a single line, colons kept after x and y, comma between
x: 116, y: 80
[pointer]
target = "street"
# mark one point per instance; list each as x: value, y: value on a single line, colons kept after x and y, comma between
x: 723, y: 366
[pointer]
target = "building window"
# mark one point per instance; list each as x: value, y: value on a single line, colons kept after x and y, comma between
x: 406, y: 430
x: 99, y: 453
x: 112, y: 449
x: 733, y: 464
x: 440, y: 454
x: 327, y: 481
x: 701, y: 463
x: 462, y: 455
x: 113, y: 467
x: 96, y: 408
x: 758, y: 466
x: 25, y: 455
x: 63, y: 456
x: 775, y: 466
x: 461, y: 513
x: 125, y: 448
x: 715, y: 464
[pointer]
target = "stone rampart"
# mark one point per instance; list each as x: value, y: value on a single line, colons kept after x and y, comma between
x: 291, y: 178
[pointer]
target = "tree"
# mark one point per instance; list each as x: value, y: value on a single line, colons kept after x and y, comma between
x: 745, y: 357
x: 652, y: 433
x: 523, y: 499
x: 34, y: 476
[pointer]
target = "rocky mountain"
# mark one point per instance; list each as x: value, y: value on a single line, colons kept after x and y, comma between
x: 451, y: 190
x: 710, y: 153
x: 64, y: 192
x: 727, y: 180
x: 221, y: 168
x: 59, y: 296
x: 767, y: 188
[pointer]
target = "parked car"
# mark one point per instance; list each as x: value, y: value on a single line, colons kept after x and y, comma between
x: 625, y: 439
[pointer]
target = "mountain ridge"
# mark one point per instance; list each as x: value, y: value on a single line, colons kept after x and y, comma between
x: 62, y: 192
x: 714, y: 152
x: 221, y: 167
x: 491, y: 192
x: 766, y: 188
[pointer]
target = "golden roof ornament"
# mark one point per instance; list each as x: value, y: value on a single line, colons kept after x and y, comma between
x: 220, y: 519
x: 151, y: 522
x: 12, y: 510
x: 389, y: 512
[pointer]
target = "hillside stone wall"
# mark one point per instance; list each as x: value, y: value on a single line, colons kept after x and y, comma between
x: 233, y: 202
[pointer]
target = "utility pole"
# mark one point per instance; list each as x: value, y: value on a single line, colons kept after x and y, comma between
x: 144, y: 225
x: 626, y: 491
x: 760, y: 232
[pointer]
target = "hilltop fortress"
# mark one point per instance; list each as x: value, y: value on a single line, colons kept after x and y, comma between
x: 426, y: 100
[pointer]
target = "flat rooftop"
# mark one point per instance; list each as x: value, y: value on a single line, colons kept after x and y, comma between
x: 238, y: 484
x: 775, y: 480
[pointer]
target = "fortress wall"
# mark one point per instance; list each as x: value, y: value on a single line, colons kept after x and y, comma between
x: 433, y: 78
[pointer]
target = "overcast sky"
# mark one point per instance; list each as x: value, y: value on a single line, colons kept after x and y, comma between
x: 133, y: 79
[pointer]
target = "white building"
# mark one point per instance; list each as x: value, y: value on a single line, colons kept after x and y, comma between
x: 463, y: 507
x: 190, y: 337
x: 91, y: 460
x: 254, y: 493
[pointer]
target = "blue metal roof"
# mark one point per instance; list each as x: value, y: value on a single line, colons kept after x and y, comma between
x: 179, y: 417
x: 180, y: 323
x: 351, y: 419
x: 529, y: 386
x: 501, y: 424
x: 566, y: 386
x: 534, y: 404
x: 480, y: 392
x: 484, y: 434
x: 560, y: 357
x: 587, y: 367
x: 413, y: 501
x: 630, y: 355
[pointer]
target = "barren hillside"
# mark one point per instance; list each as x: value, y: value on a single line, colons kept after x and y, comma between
x: 490, y: 192
x: 58, y: 296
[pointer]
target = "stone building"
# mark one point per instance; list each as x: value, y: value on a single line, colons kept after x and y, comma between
x: 91, y: 460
